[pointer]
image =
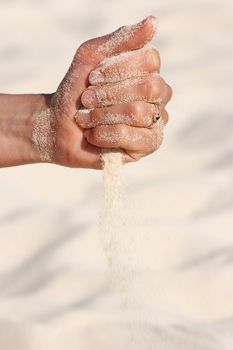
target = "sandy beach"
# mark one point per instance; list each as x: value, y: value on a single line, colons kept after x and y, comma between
x: 53, y: 288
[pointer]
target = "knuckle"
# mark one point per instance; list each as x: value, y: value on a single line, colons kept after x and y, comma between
x: 102, y: 72
x: 137, y: 109
x: 121, y: 131
x: 140, y: 113
x: 152, y: 89
x: 104, y: 95
x: 95, y: 116
x: 117, y: 135
x: 107, y: 96
x: 95, y: 133
x: 113, y: 73
x: 165, y: 117
x: 95, y: 76
x: 170, y: 92
x: 160, y: 85
x: 117, y: 72
x: 155, y: 58
x: 148, y: 114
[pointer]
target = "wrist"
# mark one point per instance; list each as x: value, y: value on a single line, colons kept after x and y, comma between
x: 18, y: 116
x: 43, y: 130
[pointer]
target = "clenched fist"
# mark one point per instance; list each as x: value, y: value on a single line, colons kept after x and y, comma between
x: 111, y: 97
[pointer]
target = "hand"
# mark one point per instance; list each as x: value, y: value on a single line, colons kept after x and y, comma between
x: 78, y: 148
x: 69, y: 144
x: 48, y: 128
x: 128, y: 85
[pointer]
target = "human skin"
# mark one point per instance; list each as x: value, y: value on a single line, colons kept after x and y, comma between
x: 75, y: 139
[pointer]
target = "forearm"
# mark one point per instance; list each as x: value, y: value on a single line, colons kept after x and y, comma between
x: 17, y: 113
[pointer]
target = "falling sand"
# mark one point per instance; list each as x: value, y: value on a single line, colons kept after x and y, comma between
x: 117, y: 243
x: 111, y: 215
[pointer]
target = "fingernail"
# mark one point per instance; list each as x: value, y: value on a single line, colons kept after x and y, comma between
x: 83, y: 117
x: 96, y: 76
x: 89, y: 98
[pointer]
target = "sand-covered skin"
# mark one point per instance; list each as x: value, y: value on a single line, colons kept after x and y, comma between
x: 120, y: 37
x: 43, y: 135
x: 109, y: 72
x: 53, y: 290
x: 128, y: 90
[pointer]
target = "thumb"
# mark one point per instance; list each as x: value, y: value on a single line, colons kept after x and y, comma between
x: 93, y: 51
x: 126, y: 38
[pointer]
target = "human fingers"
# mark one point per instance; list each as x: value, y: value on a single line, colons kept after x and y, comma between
x: 138, y: 114
x: 133, y: 140
x: 90, y: 54
x: 126, y: 65
x: 150, y: 88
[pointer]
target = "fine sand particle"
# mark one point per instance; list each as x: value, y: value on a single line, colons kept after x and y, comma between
x: 127, y: 90
x: 123, y: 60
x: 123, y: 66
x: 122, y: 36
x: 116, y: 118
x: 118, y: 38
x: 110, y: 218
x: 117, y: 241
x: 114, y: 231
x: 43, y: 135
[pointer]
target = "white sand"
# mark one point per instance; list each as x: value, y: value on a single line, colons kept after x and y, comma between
x: 53, y: 292
x: 111, y: 226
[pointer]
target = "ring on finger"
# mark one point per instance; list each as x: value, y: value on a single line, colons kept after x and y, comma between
x: 157, y: 115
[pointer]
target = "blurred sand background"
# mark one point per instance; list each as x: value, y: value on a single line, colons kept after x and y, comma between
x: 53, y: 291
